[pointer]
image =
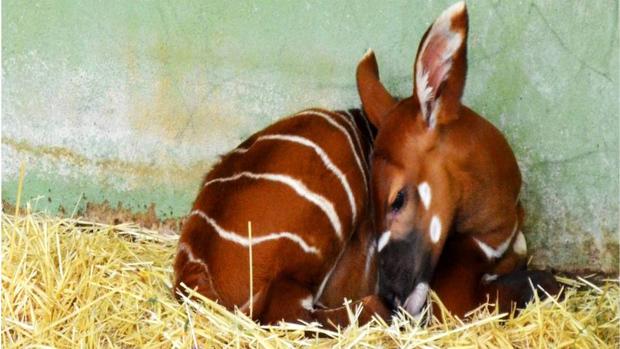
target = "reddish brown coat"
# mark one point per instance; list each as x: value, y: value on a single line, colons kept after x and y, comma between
x: 302, y: 183
x: 445, y: 184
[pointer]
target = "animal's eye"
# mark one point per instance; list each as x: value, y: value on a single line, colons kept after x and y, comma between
x: 399, y: 201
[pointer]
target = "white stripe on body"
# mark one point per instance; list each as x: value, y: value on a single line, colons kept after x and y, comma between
x: 326, y: 161
x: 190, y: 256
x: 304, y: 191
x: 328, y: 118
x: 233, y: 237
x: 246, y: 305
x: 325, y: 205
x: 367, y: 123
x: 348, y: 119
x: 239, y: 151
x: 369, y: 140
x: 327, y: 276
x: 493, y: 253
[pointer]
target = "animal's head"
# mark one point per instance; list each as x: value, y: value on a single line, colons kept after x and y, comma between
x: 422, y: 145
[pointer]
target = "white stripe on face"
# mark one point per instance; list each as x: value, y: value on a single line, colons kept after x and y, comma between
x: 321, y: 202
x: 326, y: 161
x: 425, y: 194
x: 328, y: 118
x: 233, y: 237
x: 435, y: 229
x: 383, y: 240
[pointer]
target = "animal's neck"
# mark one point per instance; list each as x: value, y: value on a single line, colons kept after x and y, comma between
x: 364, y: 129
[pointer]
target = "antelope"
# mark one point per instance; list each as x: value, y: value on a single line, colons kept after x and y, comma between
x: 303, y: 184
x: 445, y: 186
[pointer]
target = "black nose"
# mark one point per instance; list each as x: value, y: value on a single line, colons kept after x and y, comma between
x: 402, y: 264
x: 389, y: 299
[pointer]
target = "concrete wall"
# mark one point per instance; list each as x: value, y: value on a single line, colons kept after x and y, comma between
x: 131, y: 102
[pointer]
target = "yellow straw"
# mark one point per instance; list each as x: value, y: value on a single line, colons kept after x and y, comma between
x: 20, y: 185
x: 70, y: 283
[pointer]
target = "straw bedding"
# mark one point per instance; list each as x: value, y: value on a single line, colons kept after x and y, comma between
x: 68, y: 283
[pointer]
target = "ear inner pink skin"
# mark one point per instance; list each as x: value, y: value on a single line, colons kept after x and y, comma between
x: 433, y: 61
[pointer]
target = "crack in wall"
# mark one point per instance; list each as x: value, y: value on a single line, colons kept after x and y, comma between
x: 565, y: 46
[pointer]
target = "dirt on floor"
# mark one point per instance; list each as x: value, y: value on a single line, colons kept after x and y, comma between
x: 106, y: 213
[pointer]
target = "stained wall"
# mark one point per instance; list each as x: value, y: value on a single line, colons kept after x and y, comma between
x: 131, y: 102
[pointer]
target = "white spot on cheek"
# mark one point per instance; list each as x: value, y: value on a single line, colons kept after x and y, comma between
x: 435, y: 229
x: 425, y: 194
x: 520, y: 246
x: 417, y: 298
x: 306, y: 303
x: 383, y: 240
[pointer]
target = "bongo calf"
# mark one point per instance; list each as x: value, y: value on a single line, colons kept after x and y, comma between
x: 445, y: 186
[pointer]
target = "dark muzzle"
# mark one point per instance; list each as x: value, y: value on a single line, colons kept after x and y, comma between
x: 404, y: 267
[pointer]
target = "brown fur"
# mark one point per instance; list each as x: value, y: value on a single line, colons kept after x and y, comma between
x: 283, y: 274
x: 470, y: 167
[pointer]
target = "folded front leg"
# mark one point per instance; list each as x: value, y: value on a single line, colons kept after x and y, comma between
x: 516, y: 289
x: 339, y: 317
x: 287, y: 301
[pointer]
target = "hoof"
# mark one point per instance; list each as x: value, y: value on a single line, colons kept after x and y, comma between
x: 521, y: 287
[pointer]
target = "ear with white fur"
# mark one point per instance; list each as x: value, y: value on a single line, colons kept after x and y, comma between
x: 376, y: 100
x: 441, y: 66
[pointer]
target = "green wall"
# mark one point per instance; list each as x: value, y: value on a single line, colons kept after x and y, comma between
x: 132, y: 101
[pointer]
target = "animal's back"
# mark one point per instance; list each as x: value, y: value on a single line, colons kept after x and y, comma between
x: 301, y: 182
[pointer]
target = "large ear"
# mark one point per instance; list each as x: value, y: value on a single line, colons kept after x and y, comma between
x: 441, y: 66
x: 376, y: 100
